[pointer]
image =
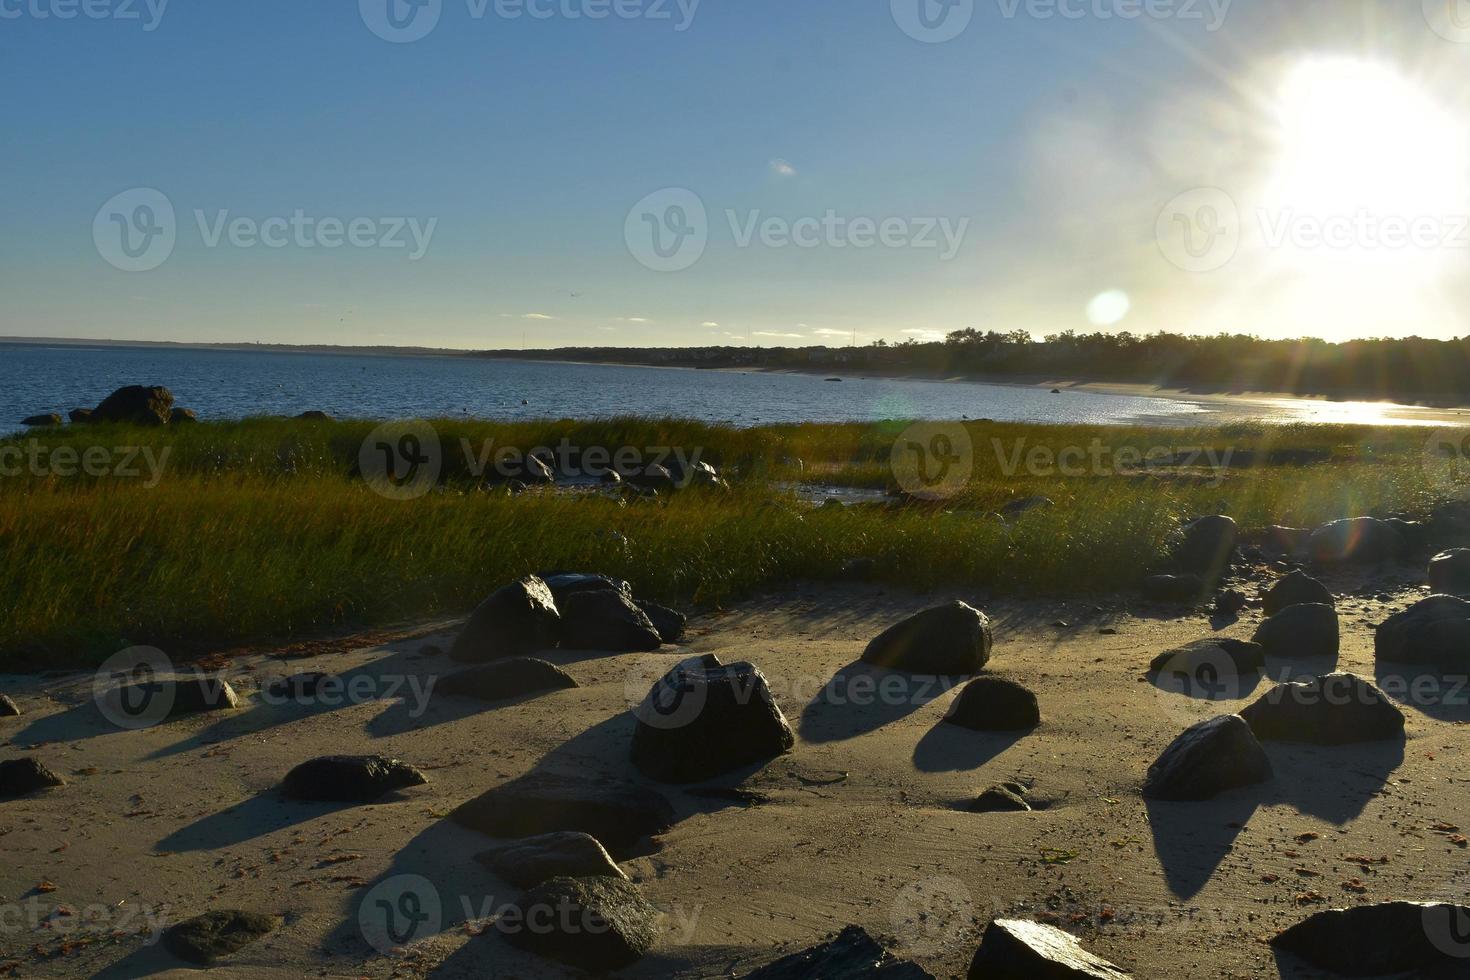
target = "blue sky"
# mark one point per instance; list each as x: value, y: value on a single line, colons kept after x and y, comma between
x: 1045, y: 144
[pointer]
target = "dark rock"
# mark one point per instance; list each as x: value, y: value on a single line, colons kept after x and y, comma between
x: 1358, y: 539
x: 652, y: 477
x: 995, y: 704
x: 619, y: 814
x: 212, y: 936
x: 136, y: 405
x: 517, y: 620
x: 1286, y: 540
x: 1335, y: 709
x: 704, y: 718
x: 1298, y: 588
x: 1173, y: 588
x: 1433, y: 631
x: 606, y: 621
x: 8, y: 708
x: 1207, y: 759
x: 563, y: 584
x: 1302, y: 630
x: 349, y: 778
x: 1217, y: 655
x: 528, y: 862
x: 1449, y: 572
x: 1374, y: 940
x: 1415, y: 534
x: 697, y: 474
x: 182, y: 416
x: 853, y: 955
x: 669, y: 623
x: 1229, y: 602
x: 41, y: 421
x: 597, y: 924
x: 952, y: 639
x: 505, y: 680
x: 21, y: 777
x: 313, y: 416
x: 611, y: 478
x: 299, y: 687
x: 1206, y: 545
x: 1025, y: 505
x: 1000, y: 799
x: 1015, y: 949
x: 190, y: 695
x: 80, y: 416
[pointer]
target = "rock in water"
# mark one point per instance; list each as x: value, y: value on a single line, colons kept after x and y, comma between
x: 1207, y: 545
x: 1433, y: 631
x: 136, y: 405
x: 8, y: 708
x: 597, y: 924
x: 1296, y: 589
x: 1335, y: 709
x: 350, y: 778
x: 853, y: 955
x: 515, y: 621
x: 507, y: 679
x: 995, y: 704
x: 1302, y: 630
x: 1449, y: 572
x: 1211, y: 659
x: 703, y: 719
x: 1015, y: 949
x: 1208, y: 759
x: 952, y: 639
x: 669, y: 623
x: 619, y: 814
x: 1173, y: 588
x: 527, y: 863
x: 607, y: 621
x: 22, y: 777
x: 1373, y: 940
x: 1358, y: 539
x: 207, y: 938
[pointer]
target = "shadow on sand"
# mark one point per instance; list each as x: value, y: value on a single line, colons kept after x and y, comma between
x: 861, y: 698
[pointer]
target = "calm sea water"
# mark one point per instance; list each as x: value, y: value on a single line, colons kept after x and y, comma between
x: 229, y: 384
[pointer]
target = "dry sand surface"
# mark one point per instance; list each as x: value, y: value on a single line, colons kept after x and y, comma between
x: 864, y: 822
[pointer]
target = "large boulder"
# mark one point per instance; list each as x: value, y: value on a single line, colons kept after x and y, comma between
x: 952, y: 639
x: 619, y: 814
x: 1206, y: 760
x: 1449, y: 572
x: 1334, y: 709
x: 705, y: 718
x: 1433, y: 631
x: 995, y: 704
x: 349, y: 778
x: 528, y: 862
x: 1298, y: 588
x: 597, y: 924
x: 22, y: 777
x: 505, y: 680
x: 136, y: 405
x: 1174, y: 588
x: 1399, y: 938
x: 1016, y: 949
x: 853, y: 955
x: 1207, y: 546
x: 515, y: 621
x: 563, y: 584
x: 41, y: 421
x: 1303, y: 630
x: 1357, y: 539
x: 208, y: 938
x: 1210, y: 659
x: 670, y: 623
x: 607, y: 621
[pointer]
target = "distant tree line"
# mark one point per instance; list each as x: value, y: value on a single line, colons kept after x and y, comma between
x: 1410, y: 368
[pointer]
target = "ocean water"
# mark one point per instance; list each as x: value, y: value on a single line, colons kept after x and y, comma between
x: 229, y: 384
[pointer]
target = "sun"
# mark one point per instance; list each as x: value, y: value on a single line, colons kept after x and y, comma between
x: 1366, y: 161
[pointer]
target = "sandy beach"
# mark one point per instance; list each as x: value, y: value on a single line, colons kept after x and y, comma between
x: 864, y: 822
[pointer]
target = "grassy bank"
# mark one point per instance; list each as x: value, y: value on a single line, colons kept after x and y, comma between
x: 257, y: 532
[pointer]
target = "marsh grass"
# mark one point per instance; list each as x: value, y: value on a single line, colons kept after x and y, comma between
x: 257, y: 532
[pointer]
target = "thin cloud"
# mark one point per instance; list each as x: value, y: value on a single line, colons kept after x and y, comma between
x: 929, y: 335
x: 831, y: 332
x: 781, y: 168
x: 633, y: 319
x: 536, y: 316
x: 710, y: 323
x: 772, y: 333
